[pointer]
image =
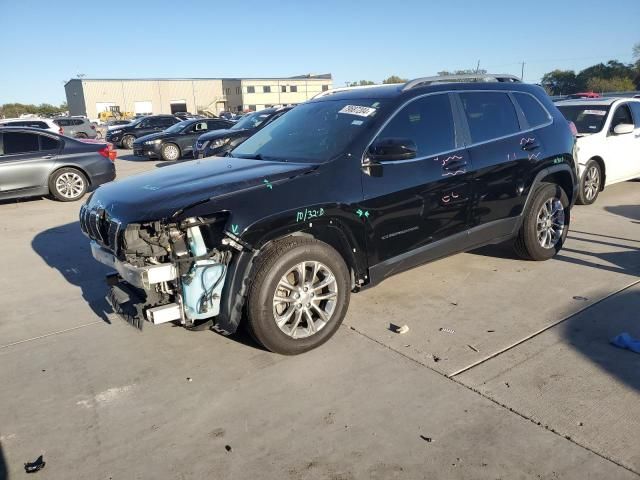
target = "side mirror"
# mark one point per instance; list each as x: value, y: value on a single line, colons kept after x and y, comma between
x: 392, y: 149
x: 623, y: 128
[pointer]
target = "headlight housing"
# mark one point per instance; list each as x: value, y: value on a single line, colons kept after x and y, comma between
x: 152, y: 142
x: 219, y: 142
x: 114, y: 132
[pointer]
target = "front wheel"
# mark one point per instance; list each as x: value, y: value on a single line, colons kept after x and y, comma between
x: 545, y: 224
x: 590, y: 183
x: 170, y: 152
x: 127, y: 142
x: 299, y: 296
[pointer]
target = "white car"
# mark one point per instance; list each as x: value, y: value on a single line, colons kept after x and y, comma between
x: 33, y: 122
x: 608, y: 144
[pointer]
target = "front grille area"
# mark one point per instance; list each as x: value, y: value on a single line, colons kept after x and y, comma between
x: 98, y: 226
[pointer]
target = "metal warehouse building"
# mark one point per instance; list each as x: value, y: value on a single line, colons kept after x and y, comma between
x: 157, y: 95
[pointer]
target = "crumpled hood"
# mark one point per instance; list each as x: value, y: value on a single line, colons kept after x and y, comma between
x: 587, y: 146
x: 161, y: 193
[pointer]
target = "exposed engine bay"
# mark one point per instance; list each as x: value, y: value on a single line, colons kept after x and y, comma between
x: 164, y: 271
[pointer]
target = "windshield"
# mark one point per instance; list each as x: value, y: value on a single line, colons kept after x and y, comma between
x: 136, y: 121
x: 311, y: 132
x: 587, y: 118
x: 252, y: 120
x: 178, y: 126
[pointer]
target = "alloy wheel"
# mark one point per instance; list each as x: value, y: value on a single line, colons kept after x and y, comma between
x: 171, y: 152
x: 305, y: 299
x: 70, y: 185
x: 550, y: 223
x: 591, y: 183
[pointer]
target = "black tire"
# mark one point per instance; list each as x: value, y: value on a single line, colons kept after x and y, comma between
x: 271, y: 266
x: 127, y: 142
x: 527, y: 244
x: 590, y: 183
x: 68, y: 184
x: 166, y: 153
x: 81, y: 135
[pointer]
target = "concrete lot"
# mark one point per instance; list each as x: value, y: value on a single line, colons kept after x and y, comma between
x: 522, y: 383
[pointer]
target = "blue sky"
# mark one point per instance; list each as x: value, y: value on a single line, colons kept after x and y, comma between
x: 44, y: 43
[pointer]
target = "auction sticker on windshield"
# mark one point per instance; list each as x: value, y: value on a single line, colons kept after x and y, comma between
x: 600, y: 113
x: 358, y: 110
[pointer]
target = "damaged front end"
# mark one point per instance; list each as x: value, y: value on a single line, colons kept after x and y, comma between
x: 164, y: 271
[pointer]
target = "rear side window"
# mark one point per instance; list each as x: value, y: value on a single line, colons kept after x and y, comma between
x: 20, y: 142
x: 62, y: 123
x: 77, y: 122
x: 427, y: 121
x: 635, y: 109
x: 534, y: 112
x: 489, y: 115
x: 48, y: 143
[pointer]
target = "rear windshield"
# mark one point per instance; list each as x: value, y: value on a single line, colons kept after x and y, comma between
x: 587, y: 118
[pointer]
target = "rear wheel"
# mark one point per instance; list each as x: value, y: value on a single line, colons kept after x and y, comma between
x: 170, y: 152
x: 545, y: 224
x: 299, y: 296
x: 590, y: 183
x: 68, y: 184
x: 127, y: 141
x: 81, y: 135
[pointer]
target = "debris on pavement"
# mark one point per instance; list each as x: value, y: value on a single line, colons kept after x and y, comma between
x: 582, y: 299
x: 473, y: 348
x: 228, y: 448
x: 626, y: 341
x: 447, y: 330
x: 403, y: 329
x: 33, y: 467
x: 189, y: 379
x: 435, y: 358
x: 490, y: 331
x: 426, y: 439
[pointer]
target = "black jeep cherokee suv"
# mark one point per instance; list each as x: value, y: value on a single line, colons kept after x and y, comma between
x: 334, y: 197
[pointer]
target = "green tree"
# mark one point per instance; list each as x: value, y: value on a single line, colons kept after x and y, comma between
x: 610, y: 70
x: 360, y: 83
x: 617, y: 84
x: 395, y: 79
x: 560, y: 82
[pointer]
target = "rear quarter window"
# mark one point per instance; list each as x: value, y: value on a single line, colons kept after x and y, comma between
x: 48, y: 143
x: 534, y: 112
x: 489, y: 115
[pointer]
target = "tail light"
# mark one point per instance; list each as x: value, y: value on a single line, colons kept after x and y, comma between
x: 93, y: 127
x: 108, y: 152
x: 574, y: 130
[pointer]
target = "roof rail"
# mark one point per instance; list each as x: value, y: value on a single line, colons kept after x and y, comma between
x: 471, y: 77
x: 341, y: 89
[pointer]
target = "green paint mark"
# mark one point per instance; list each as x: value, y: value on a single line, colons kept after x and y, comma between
x: 558, y: 160
x: 267, y: 184
x: 362, y: 213
x: 234, y: 228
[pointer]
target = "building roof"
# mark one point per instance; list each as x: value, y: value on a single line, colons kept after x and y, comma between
x: 324, y: 76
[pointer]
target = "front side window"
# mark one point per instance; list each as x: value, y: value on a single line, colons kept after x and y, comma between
x: 428, y: 121
x: 534, y: 112
x: 490, y: 115
x: 20, y: 142
x: 620, y: 116
x: 312, y: 132
x: 587, y: 118
x: 635, y: 108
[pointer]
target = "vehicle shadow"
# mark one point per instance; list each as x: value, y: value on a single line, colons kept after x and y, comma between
x: 624, y: 259
x: 67, y: 250
x: 631, y: 212
x: 591, y: 331
x: 4, y: 472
